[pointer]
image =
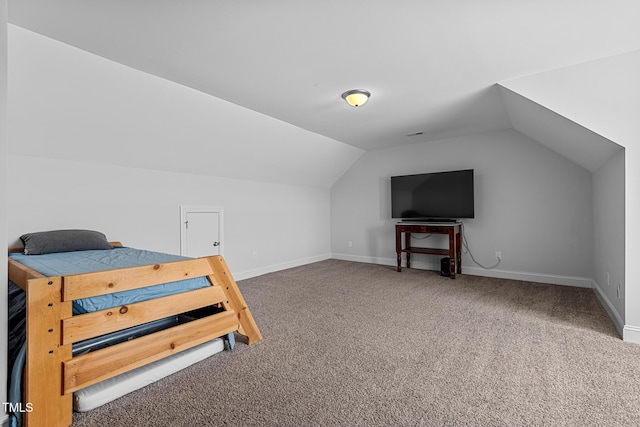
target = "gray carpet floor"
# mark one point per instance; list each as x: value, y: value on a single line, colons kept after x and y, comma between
x: 351, y: 344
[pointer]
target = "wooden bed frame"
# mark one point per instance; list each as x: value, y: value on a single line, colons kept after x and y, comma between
x: 52, y: 374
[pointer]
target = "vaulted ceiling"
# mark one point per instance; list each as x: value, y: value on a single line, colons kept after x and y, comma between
x: 431, y: 66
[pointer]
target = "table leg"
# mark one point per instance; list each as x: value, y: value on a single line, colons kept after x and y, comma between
x: 459, y: 251
x: 399, y: 247
x: 452, y: 254
x: 407, y: 246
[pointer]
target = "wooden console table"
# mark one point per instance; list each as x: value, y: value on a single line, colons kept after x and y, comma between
x: 454, y: 252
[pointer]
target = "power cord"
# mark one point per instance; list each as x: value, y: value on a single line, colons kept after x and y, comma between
x: 467, y: 250
x: 421, y: 238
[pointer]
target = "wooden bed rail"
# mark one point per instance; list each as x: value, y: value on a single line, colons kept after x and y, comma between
x: 19, y: 274
x: 93, y: 367
x: 78, y: 286
x: 90, y: 325
x: 52, y: 373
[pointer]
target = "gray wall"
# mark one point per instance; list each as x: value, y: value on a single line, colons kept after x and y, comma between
x: 286, y: 225
x: 531, y: 204
x: 609, y: 236
x: 603, y: 96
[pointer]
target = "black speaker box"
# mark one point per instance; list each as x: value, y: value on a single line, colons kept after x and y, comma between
x: 445, y: 267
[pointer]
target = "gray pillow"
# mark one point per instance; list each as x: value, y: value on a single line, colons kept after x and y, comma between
x: 47, y: 242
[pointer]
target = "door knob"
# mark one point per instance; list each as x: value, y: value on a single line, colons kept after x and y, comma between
x: 216, y: 243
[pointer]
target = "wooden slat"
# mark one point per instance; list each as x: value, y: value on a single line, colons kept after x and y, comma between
x: 20, y: 274
x: 82, y: 371
x: 90, y: 325
x: 45, y: 355
x: 86, y: 285
x: 222, y: 276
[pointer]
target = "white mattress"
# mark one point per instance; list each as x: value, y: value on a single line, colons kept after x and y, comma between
x: 103, y: 392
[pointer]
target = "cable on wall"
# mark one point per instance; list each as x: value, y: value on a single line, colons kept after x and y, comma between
x: 467, y: 250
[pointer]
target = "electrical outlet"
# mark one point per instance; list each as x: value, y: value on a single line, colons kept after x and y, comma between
x: 349, y: 244
x: 254, y: 255
x: 608, y: 281
x: 619, y: 296
x: 498, y: 255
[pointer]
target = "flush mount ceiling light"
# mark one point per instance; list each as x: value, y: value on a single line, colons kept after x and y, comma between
x: 356, y: 97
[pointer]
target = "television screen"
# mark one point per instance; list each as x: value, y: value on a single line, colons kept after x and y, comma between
x: 433, y: 196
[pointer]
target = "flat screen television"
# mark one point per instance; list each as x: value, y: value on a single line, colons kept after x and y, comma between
x: 438, y: 196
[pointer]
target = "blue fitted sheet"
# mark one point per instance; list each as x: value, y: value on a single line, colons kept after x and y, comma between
x: 65, y: 263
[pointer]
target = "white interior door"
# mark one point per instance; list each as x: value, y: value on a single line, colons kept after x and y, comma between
x: 201, y: 231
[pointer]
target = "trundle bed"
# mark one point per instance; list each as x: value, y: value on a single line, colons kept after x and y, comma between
x: 88, y: 321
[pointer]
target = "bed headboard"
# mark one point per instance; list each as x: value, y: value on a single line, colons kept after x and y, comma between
x: 21, y: 249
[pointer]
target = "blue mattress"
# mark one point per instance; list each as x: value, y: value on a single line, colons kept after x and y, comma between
x: 65, y: 263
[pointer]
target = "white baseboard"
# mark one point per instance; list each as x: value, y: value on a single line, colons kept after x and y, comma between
x: 365, y: 259
x: 552, y: 279
x: 277, y: 267
x: 631, y: 334
x: 611, y: 310
x: 581, y: 282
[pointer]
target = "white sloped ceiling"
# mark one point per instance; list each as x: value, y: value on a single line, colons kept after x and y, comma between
x: 71, y: 104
